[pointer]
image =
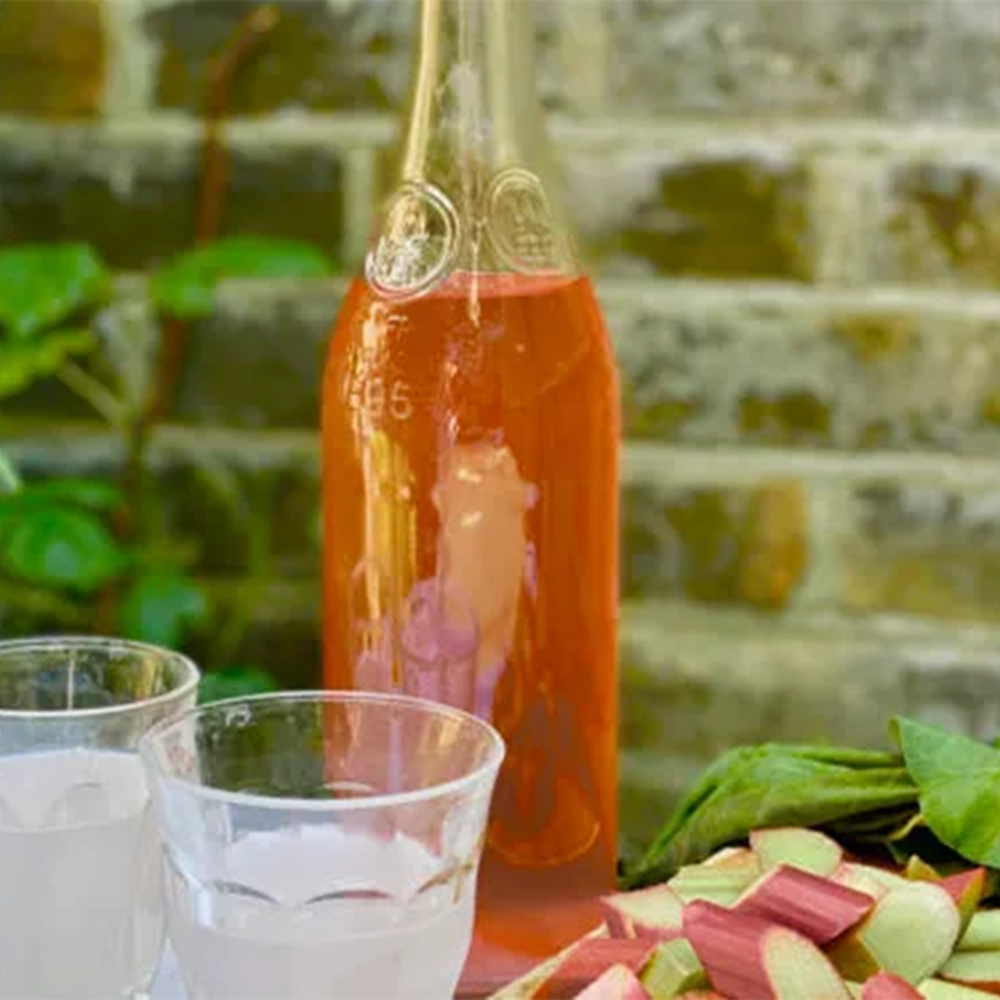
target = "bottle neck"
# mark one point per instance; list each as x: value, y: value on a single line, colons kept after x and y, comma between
x: 474, y: 190
x: 474, y: 105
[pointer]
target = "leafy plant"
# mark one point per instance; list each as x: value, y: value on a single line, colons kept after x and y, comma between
x: 938, y: 797
x: 185, y: 287
x: 62, y: 536
x: 231, y: 682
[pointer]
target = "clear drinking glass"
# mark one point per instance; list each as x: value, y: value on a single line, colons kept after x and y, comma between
x: 321, y: 844
x: 80, y: 899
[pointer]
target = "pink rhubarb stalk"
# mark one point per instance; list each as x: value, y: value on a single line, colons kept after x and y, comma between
x: 588, y: 960
x: 814, y: 906
x: 748, y: 957
x: 617, y: 983
x: 886, y: 986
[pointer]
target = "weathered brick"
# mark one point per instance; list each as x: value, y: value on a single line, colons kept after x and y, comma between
x: 850, y: 371
x: 726, y: 212
x: 350, y: 55
x: 715, y: 545
x: 226, y: 504
x: 52, y: 57
x: 259, y: 360
x: 924, y: 549
x: 696, y: 683
x: 133, y: 193
x: 942, y: 223
x: 920, y: 59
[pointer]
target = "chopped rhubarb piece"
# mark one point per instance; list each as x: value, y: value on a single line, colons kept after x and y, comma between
x: 590, y: 958
x: 868, y: 879
x: 617, y: 983
x: 732, y: 857
x: 941, y: 989
x: 978, y: 969
x: 656, y: 912
x: 966, y: 889
x: 910, y: 932
x: 673, y: 968
x: 746, y: 956
x: 983, y: 932
x: 886, y: 986
x: 720, y: 884
x: 816, y: 907
x: 799, y: 847
x: 796, y: 968
x: 919, y: 871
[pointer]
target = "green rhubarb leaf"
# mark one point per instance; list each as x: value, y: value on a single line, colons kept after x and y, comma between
x: 958, y: 779
x: 770, y: 785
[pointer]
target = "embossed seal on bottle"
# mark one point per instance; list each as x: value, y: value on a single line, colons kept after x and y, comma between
x: 418, y: 244
x: 521, y: 226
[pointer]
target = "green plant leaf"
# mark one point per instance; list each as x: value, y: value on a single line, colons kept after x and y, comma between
x: 42, y: 284
x: 162, y: 607
x: 186, y: 286
x: 25, y: 361
x: 10, y: 478
x: 958, y: 779
x: 59, y: 546
x: 232, y: 682
x: 94, y: 494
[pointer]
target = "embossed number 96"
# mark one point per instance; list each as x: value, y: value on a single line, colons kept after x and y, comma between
x: 378, y: 398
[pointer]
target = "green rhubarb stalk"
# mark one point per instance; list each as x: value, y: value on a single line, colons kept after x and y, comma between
x: 983, y: 932
x: 672, y: 970
x: 941, y: 989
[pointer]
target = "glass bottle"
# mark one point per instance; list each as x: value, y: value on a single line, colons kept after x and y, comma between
x: 470, y: 452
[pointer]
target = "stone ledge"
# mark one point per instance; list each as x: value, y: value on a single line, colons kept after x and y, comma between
x: 300, y: 130
x: 703, y: 363
x: 645, y: 463
x: 650, y: 462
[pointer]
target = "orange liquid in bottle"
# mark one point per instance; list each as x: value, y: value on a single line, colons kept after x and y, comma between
x: 470, y: 442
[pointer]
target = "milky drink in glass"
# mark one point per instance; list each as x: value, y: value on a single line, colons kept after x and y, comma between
x: 80, y: 901
x: 321, y: 845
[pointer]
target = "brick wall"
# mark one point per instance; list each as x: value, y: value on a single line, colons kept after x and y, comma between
x: 793, y: 212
